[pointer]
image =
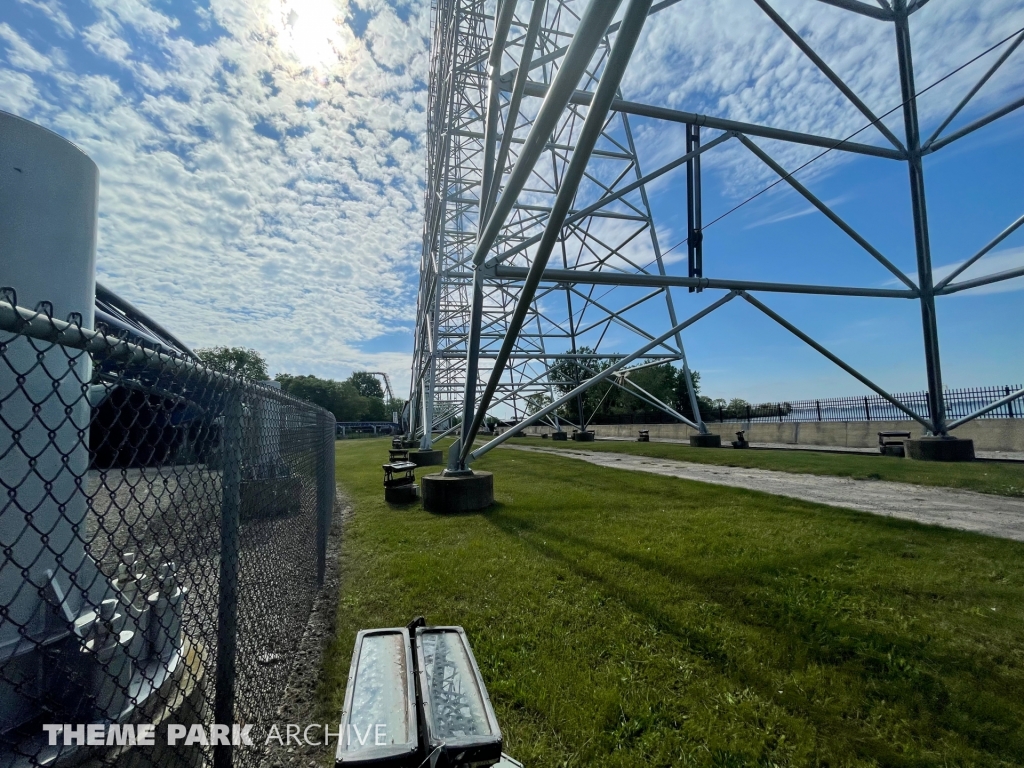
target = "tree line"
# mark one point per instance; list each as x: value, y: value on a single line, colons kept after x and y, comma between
x: 360, y: 397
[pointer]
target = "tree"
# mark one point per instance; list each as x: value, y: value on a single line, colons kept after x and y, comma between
x: 737, y: 408
x: 342, y: 398
x: 537, y: 401
x: 367, y: 385
x: 658, y: 380
x: 568, y: 373
x: 682, y: 392
x: 235, y: 361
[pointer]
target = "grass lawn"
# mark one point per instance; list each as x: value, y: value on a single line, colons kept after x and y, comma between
x: 625, y: 619
x: 983, y: 476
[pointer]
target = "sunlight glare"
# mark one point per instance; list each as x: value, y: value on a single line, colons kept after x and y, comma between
x: 310, y: 31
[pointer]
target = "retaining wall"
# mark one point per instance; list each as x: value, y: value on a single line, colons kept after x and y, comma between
x: 988, y: 434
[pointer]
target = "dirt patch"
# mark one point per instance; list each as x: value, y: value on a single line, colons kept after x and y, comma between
x: 963, y: 510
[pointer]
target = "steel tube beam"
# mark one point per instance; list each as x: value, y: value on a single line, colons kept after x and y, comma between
x: 663, y: 406
x: 692, y: 145
x: 849, y: 369
x: 622, y: 378
x: 990, y: 407
x: 664, y: 281
x: 919, y: 208
x: 827, y: 71
x: 472, y: 353
x: 862, y: 8
x: 617, y: 194
x: 618, y: 58
x: 600, y: 377
x: 977, y: 87
x: 588, y: 36
x: 998, y: 277
x: 988, y: 247
x: 751, y: 129
x: 516, y: 100
x: 502, y: 24
x: 832, y: 216
x: 137, y: 315
x: 980, y: 123
x: 612, y: 28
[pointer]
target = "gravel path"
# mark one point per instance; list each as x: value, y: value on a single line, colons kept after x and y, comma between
x: 964, y: 510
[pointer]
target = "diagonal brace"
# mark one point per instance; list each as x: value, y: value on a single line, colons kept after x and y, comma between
x: 849, y: 369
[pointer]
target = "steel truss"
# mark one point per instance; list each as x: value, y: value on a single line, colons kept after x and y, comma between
x: 527, y: 121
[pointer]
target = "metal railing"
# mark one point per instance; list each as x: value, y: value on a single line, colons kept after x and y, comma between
x: 163, y: 530
x: 959, y: 403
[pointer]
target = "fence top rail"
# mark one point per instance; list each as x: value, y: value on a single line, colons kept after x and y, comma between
x: 41, y: 325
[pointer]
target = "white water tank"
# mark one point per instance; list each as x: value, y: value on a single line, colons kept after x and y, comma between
x: 48, y: 215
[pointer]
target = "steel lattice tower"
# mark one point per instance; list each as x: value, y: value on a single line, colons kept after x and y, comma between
x: 538, y: 227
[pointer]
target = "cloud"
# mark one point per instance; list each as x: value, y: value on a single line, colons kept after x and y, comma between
x: 21, y: 54
x: 17, y: 92
x: 54, y: 12
x: 262, y: 160
x: 103, y: 39
x: 247, y: 197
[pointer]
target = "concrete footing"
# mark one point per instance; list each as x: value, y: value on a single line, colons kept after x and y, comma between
x: 583, y: 437
x: 401, y: 494
x: 457, y: 493
x: 940, y: 449
x: 559, y: 436
x: 426, y: 458
x: 706, y: 441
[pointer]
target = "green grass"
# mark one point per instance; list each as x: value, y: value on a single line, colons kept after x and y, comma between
x: 625, y: 619
x: 985, y: 477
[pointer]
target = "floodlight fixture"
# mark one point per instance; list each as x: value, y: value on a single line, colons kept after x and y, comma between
x: 458, y: 720
x: 378, y: 723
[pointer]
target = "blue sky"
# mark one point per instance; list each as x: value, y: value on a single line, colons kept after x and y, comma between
x: 262, y: 162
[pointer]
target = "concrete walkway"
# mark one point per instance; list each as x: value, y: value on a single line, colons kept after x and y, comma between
x: 964, y: 510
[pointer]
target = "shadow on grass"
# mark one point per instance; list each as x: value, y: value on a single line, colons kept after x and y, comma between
x: 887, y: 666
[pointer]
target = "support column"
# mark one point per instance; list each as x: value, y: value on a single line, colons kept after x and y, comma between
x: 929, y: 322
x: 455, y: 462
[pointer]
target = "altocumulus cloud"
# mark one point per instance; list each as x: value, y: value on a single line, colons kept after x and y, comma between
x: 727, y: 58
x: 261, y: 161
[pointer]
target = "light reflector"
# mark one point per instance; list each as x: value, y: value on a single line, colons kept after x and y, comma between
x: 378, y: 724
x: 456, y: 708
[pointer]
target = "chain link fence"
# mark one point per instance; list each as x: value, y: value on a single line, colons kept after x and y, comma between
x: 163, y: 531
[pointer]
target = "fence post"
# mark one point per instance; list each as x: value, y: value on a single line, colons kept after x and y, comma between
x: 227, y: 612
x: 817, y: 405
x: 1009, y: 405
x: 324, y: 492
x: 867, y: 409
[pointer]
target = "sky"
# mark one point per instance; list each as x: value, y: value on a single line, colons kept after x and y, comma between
x: 261, y: 175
